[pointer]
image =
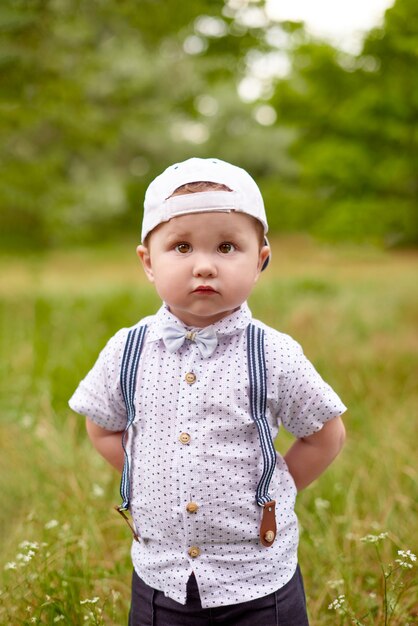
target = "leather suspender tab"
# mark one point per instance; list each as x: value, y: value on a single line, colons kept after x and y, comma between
x: 268, y: 526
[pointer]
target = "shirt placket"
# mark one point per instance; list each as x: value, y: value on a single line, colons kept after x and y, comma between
x: 187, y: 451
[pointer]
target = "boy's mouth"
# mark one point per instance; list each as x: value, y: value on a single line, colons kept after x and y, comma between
x: 204, y: 289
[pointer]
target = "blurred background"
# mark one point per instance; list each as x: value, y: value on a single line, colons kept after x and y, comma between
x: 98, y: 97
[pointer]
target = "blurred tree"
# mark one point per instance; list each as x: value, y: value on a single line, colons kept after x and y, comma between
x: 98, y: 97
x: 94, y: 97
x: 356, y: 121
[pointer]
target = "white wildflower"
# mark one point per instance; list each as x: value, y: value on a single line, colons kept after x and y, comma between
x: 59, y: 618
x: 404, y: 564
x: 10, y: 565
x: 373, y: 538
x: 53, y: 523
x: 407, y: 559
x: 25, y: 558
x: 90, y: 601
x: 32, y: 545
x: 338, y: 603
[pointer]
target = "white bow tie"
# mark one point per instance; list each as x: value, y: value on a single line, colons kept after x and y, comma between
x: 205, y: 339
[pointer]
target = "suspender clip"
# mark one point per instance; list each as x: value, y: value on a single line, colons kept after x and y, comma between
x: 121, y: 511
x: 268, y: 528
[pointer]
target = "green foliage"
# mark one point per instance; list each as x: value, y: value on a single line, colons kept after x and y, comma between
x: 99, y: 97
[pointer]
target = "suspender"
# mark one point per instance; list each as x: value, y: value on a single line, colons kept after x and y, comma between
x: 258, y: 395
x: 258, y: 401
x: 128, y: 372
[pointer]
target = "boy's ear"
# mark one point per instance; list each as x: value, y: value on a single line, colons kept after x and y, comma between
x: 264, y: 253
x: 145, y: 258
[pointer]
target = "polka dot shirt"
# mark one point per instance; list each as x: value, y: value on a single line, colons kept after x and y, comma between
x: 196, y: 458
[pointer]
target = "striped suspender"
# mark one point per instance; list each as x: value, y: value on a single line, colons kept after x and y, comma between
x: 258, y: 396
x: 128, y: 372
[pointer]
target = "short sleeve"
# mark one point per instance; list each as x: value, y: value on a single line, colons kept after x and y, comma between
x: 307, y: 400
x: 99, y: 395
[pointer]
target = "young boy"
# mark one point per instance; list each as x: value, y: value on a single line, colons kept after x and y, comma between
x: 199, y: 390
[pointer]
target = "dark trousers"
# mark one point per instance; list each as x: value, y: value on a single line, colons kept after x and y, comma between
x: 285, y: 607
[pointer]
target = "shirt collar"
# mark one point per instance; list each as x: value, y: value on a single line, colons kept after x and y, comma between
x: 230, y: 325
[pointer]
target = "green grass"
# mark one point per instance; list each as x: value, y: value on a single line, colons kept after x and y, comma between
x: 355, y: 312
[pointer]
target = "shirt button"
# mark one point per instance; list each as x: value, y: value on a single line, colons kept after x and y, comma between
x: 184, y: 438
x: 194, y: 552
x: 190, y: 378
x: 192, y: 507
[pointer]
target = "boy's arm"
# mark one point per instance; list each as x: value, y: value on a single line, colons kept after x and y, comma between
x: 107, y: 442
x: 309, y: 456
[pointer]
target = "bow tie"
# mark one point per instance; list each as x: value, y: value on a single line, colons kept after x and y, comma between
x: 205, y: 339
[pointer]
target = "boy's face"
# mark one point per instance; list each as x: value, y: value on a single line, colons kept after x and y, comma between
x: 204, y: 265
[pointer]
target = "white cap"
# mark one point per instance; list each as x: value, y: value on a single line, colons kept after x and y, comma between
x: 244, y: 196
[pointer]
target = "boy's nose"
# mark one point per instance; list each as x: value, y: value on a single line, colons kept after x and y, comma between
x: 204, y: 266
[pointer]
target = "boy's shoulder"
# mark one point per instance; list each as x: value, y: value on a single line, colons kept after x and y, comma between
x: 279, y: 346
x: 273, y: 335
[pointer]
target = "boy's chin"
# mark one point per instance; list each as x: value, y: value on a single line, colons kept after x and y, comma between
x: 200, y: 319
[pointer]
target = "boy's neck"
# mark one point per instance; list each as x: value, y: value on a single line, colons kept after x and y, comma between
x: 201, y: 322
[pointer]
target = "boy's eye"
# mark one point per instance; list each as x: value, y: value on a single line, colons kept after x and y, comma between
x: 183, y: 248
x: 226, y: 247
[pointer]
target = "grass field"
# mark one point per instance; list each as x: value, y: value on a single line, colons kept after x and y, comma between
x: 65, y: 554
